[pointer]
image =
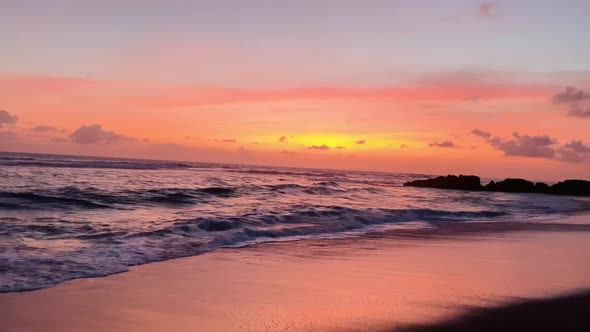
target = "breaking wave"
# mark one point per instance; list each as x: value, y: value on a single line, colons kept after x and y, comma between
x: 106, y: 250
x: 67, y: 217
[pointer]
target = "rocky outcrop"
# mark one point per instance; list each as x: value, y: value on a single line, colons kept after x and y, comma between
x: 541, y: 188
x: 461, y: 182
x: 511, y: 186
x: 571, y: 187
x: 472, y: 182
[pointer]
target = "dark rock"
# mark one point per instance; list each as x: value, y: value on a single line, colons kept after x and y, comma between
x: 461, y: 182
x: 471, y: 182
x: 511, y: 186
x: 541, y: 188
x: 571, y: 187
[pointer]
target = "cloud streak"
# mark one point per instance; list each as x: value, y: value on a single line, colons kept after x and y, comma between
x: 579, y: 112
x: 570, y: 95
x: 481, y: 133
x: 142, y: 95
x: 445, y: 144
x: 44, y: 129
x: 577, y: 100
x: 318, y: 147
x: 577, y: 146
x: 94, y: 134
x: 7, y: 118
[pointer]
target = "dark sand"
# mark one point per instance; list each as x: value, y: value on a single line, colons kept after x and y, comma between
x: 413, y: 279
x: 563, y: 313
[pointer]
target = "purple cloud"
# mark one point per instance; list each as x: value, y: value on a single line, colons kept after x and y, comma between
x: 525, y: 146
x: 94, y: 134
x: 318, y: 147
x: 44, y: 129
x: 540, y: 146
x: 571, y: 156
x: 577, y: 146
x: 481, y: 133
x: 7, y: 118
x: 579, y: 112
x: 570, y: 95
x: 362, y: 141
x: 283, y: 139
x: 576, y: 100
x: 445, y: 144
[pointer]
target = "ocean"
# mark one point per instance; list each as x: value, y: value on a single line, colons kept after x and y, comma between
x: 69, y: 217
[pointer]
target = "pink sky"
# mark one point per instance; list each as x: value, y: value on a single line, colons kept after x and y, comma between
x: 459, y: 88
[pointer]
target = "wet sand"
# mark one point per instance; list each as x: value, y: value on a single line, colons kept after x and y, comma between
x: 377, y: 282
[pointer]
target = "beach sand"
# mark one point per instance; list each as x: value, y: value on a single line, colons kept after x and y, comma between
x: 375, y: 282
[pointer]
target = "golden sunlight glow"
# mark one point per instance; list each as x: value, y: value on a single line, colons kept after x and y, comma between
x: 332, y: 141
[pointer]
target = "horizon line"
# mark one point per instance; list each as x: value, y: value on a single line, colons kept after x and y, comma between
x: 276, y: 166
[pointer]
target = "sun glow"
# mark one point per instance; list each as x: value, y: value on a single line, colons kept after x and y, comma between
x: 332, y: 141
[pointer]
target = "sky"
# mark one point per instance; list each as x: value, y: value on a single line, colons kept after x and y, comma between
x: 494, y: 88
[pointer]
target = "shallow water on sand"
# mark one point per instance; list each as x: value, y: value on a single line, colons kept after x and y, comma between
x: 370, y: 283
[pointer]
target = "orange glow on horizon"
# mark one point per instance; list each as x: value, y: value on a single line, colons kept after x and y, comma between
x: 421, y: 128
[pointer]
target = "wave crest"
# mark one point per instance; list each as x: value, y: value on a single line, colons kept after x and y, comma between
x: 92, y: 198
x: 106, y: 251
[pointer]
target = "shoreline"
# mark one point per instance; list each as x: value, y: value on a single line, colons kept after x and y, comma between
x: 373, y: 282
x: 431, y: 230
